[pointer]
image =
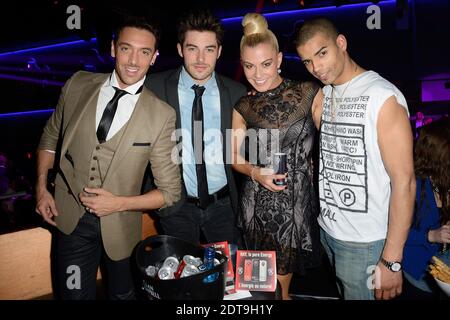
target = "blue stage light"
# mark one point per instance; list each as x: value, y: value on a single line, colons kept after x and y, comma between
x: 42, y: 48
x: 310, y: 10
x: 25, y: 113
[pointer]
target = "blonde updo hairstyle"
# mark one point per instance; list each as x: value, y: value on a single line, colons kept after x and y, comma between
x: 256, y: 31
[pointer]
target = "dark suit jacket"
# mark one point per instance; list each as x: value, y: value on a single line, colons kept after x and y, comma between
x: 165, y: 86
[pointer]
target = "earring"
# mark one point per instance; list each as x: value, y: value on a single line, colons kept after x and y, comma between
x: 279, y: 70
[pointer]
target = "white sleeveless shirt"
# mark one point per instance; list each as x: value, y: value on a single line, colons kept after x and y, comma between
x: 354, y: 187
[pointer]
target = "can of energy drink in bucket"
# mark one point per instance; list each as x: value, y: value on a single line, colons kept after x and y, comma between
x: 151, y: 271
x: 172, y: 263
x: 192, y: 260
x: 189, y: 270
x: 280, y: 167
x: 165, y: 273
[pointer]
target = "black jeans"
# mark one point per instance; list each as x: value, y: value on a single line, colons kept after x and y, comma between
x: 216, y: 222
x: 78, y: 257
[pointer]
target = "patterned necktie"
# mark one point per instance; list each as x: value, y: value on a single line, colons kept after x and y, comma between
x: 199, y: 147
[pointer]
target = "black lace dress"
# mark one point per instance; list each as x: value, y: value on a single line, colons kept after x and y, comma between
x: 283, y: 221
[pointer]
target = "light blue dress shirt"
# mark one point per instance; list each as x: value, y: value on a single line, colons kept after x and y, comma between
x: 215, y: 169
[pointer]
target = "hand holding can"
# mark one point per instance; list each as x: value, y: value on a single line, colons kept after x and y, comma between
x: 280, y: 167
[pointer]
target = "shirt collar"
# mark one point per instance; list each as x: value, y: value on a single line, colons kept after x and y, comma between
x: 187, y: 81
x: 130, y: 89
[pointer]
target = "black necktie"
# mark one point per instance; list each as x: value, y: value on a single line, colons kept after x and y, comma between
x: 108, y: 114
x: 197, y: 115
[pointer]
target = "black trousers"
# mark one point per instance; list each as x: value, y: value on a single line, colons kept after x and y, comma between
x: 216, y: 222
x: 78, y: 257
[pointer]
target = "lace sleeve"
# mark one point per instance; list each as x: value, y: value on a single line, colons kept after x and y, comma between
x: 309, y: 90
x: 242, y: 106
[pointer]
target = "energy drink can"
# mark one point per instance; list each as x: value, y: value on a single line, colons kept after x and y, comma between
x: 172, y: 263
x: 280, y: 167
x: 262, y: 270
x: 151, y: 271
x: 192, y: 260
x: 255, y: 270
x: 248, y: 269
x: 189, y: 270
x: 180, y: 268
x: 165, y: 273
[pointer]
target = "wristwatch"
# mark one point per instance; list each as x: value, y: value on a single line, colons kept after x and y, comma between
x: 393, y: 266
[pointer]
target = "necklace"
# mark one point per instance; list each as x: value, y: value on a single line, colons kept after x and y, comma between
x: 333, y: 107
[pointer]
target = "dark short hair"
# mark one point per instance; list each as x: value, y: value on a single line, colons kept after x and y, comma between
x: 200, y: 20
x: 138, y: 23
x: 432, y: 159
x: 311, y: 27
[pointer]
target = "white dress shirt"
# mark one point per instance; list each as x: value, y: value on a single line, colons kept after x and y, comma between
x: 125, y: 106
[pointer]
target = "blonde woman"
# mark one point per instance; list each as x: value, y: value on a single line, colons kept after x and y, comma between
x: 274, y: 217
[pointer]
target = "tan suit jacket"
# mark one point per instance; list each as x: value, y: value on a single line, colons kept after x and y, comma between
x: 147, y: 138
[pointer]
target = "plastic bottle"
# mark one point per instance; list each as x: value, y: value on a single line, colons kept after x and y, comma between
x: 208, y: 262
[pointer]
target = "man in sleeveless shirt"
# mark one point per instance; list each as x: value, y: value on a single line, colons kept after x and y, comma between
x: 366, y: 177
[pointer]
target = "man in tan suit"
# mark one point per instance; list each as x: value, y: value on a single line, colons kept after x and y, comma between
x: 105, y: 130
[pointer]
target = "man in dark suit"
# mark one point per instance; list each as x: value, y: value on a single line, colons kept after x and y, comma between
x: 203, y: 100
x: 105, y: 130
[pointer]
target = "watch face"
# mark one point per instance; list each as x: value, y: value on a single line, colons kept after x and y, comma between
x: 396, y: 267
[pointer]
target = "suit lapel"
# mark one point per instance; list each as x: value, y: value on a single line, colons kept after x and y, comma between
x: 88, y: 99
x: 225, y: 105
x: 171, y: 87
x: 136, y: 123
x: 225, y: 112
